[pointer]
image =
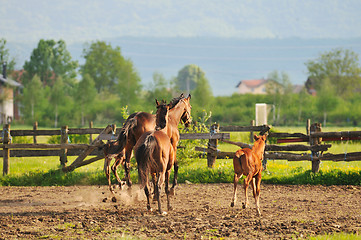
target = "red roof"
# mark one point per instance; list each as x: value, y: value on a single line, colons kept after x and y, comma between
x: 252, y: 83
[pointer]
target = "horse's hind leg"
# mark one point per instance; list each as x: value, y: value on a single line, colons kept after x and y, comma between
x: 247, y: 180
x: 159, y: 182
x: 118, y: 161
x: 107, y: 173
x: 147, y: 193
x: 235, y: 182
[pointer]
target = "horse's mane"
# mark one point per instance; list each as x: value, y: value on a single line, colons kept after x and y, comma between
x: 175, y: 101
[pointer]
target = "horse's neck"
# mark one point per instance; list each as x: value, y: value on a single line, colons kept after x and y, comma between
x: 175, y: 114
x: 258, y: 149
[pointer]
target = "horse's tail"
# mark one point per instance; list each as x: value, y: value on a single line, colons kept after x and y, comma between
x: 239, y: 153
x: 129, y: 124
x: 145, y: 160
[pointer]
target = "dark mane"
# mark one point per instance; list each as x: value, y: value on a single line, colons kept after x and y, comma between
x: 175, y: 101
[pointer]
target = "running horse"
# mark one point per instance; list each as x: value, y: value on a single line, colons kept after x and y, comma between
x: 155, y: 156
x: 248, y: 162
x: 137, y: 124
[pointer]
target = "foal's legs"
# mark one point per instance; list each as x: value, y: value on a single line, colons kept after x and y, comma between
x: 235, y: 182
x: 159, y: 182
x: 247, y: 180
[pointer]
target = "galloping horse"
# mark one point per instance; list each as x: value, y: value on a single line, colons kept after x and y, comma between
x: 248, y: 162
x: 137, y: 124
x: 155, y: 156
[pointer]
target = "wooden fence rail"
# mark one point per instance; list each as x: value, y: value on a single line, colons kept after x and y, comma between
x: 221, y: 133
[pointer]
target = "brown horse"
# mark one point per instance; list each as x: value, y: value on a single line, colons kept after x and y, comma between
x: 137, y: 124
x: 248, y: 162
x: 155, y: 156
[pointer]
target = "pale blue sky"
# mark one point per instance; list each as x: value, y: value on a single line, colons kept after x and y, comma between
x: 84, y: 20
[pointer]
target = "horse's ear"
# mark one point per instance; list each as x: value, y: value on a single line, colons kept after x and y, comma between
x: 156, y: 102
x: 255, y: 137
x: 189, y: 96
x: 182, y: 95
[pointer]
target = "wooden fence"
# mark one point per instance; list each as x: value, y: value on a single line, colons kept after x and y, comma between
x: 314, y: 137
x: 65, y: 149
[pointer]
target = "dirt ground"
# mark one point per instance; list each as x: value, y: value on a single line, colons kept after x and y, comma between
x: 201, y: 211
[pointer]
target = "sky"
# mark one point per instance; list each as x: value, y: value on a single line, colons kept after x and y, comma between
x: 84, y: 20
x: 24, y: 22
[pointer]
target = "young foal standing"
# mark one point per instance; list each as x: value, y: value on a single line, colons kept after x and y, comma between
x: 155, y: 156
x: 248, y: 162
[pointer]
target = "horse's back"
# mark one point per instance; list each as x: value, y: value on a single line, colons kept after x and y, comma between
x: 245, y: 161
x: 145, y: 122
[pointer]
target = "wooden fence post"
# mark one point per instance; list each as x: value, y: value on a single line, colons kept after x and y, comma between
x: 315, y: 127
x: 64, y: 140
x: 251, y: 133
x: 212, y: 145
x: 35, y: 127
x: 90, y: 135
x: 6, y: 151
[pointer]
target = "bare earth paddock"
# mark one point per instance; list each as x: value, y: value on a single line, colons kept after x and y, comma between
x: 200, y: 211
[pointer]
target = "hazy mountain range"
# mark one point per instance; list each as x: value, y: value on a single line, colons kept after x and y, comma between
x: 230, y: 40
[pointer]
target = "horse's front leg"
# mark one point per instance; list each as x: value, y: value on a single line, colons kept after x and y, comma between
x: 258, y: 191
x: 175, y: 182
x: 167, y: 174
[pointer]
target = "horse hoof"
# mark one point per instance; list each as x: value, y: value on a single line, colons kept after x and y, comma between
x: 232, y: 204
x: 114, y: 199
x: 172, y: 192
x: 244, y: 206
x: 164, y: 213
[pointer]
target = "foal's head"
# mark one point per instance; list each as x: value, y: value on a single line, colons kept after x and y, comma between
x: 161, y: 118
x: 260, y: 143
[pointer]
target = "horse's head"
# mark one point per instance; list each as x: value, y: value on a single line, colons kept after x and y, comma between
x: 161, y: 115
x: 186, y: 116
x: 260, y: 142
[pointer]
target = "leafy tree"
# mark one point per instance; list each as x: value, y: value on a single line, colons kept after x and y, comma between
x: 49, y: 61
x: 57, y: 97
x: 85, y: 97
x: 111, y: 71
x: 33, y: 100
x: 279, y: 87
x: 342, y: 69
x: 159, y: 89
x: 187, y: 78
x: 326, y: 99
x: 202, y: 96
x: 5, y: 56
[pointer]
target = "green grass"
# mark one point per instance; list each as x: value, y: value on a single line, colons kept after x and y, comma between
x: 337, y: 236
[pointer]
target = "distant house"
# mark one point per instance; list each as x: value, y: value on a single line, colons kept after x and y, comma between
x: 263, y: 86
x: 8, y: 89
x: 255, y: 86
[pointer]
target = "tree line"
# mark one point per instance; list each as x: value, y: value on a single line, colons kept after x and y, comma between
x: 107, y: 87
